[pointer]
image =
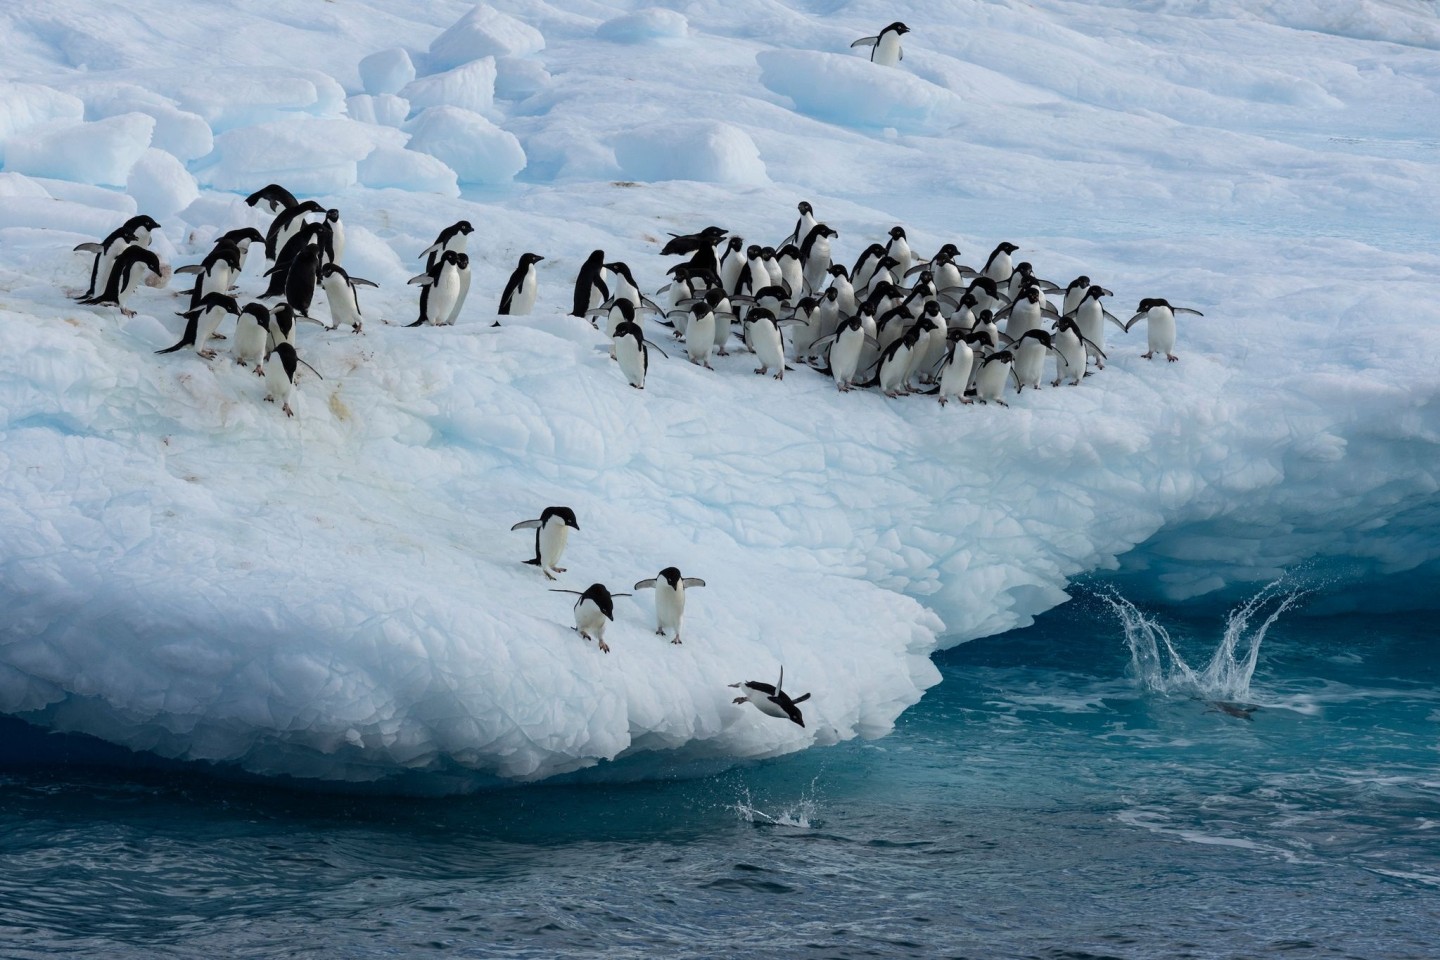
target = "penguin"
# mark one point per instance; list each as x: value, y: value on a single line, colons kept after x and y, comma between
x: 203, y: 321
x: 772, y: 701
x: 894, y: 369
x: 281, y: 328
x: 692, y: 243
x: 1159, y: 319
x: 815, y: 256
x: 1090, y: 316
x: 1023, y: 277
x: 309, y: 235
x: 927, y: 360
x: 1027, y: 312
x: 730, y: 263
x: 827, y: 314
x: 280, y: 377
x: 844, y: 289
x: 252, y: 330
x: 722, y: 312
x: 452, y: 237
x: 846, y: 345
x: 957, y: 364
x: 804, y: 225
x: 1074, y: 292
x: 769, y: 343
x: 807, y: 328
x: 439, y: 288
x: 135, y: 231
x: 590, y: 289
x: 341, y: 295
x: 462, y: 264
x: 301, y: 278
x: 215, y: 274
x: 1030, y: 350
x: 669, y: 589
x: 615, y: 313
x: 998, y: 267
x: 336, y: 250
x: 518, y: 299
x: 792, y: 271
x: 127, y: 273
x: 552, y: 531
x: 995, y: 370
x: 700, y: 334
x: 1071, y: 348
x: 867, y: 266
x: 632, y: 352
x: 593, y: 610
x: 274, y: 196
x: 899, y: 249
x: 885, y: 47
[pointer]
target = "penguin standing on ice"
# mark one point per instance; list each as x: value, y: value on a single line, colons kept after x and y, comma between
x: 593, y: 610
x: 252, y: 330
x: 340, y: 293
x: 280, y: 377
x: 129, y: 271
x: 633, y: 352
x: 886, y: 45
x: 133, y: 232
x: 1159, y: 319
x: 990, y: 380
x: 203, y: 321
x: 772, y: 701
x: 301, y: 279
x: 590, y: 288
x: 242, y: 238
x: 440, y: 287
x: 281, y: 328
x: 518, y: 299
x: 669, y: 589
x: 552, y: 531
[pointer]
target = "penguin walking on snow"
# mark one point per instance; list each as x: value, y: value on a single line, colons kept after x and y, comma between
x: 590, y: 288
x: 593, y: 610
x: 552, y: 531
x: 340, y: 293
x: 772, y: 701
x: 885, y: 45
x: 252, y: 330
x: 203, y: 321
x: 130, y: 270
x: 133, y: 232
x: 519, y: 296
x: 280, y: 377
x: 1159, y: 319
x: 669, y: 589
x: 633, y: 352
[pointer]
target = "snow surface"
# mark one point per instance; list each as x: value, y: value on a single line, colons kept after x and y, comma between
x: 339, y: 596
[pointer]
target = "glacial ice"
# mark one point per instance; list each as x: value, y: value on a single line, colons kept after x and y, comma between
x: 101, y: 152
x: 161, y: 185
x: 470, y: 86
x: 642, y: 26
x: 386, y: 71
x: 476, y: 149
x: 483, y: 32
x: 690, y: 150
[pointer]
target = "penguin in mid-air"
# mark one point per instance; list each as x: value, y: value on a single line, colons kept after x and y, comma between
x: 669, y: 589
x: 203, y: 321
x: 886, y: 45
x: 1159, y: 319
x: 127, y: 273
x: 772, y: 701
x: 552, y: 531
x: 519, y: 296
x: 133, y: 232
x: 593, y: 610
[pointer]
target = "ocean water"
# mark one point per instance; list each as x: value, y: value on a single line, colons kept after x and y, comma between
x: 1111, y: 782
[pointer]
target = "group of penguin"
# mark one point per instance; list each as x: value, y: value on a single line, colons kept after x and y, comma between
x: 596, y: 607
x: 893, y: 320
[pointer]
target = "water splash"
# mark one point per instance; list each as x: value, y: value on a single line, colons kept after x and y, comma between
x: 1160, y: 668
x: 802, y: 815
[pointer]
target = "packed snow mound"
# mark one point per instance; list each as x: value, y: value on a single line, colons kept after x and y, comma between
x: 476, y: 149
x: 311, y: 156
x: 24, y: 106
x: 853, y: 92
x: 470, y: 86
x: 643, y: 26
x: 101, y: 152
x: 483, y: 32
x: 386, y: 71
x: 161, y: 185
x: 690, y: 150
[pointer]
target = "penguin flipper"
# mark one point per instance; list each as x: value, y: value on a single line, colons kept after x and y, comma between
x: 1131, y: 322
x: 88, y: 248
x: 693, y: 582
x: 1193, y: 313
x: 1116, y: 320
x: 536, y: 563
x: 865, y: 42
x: 800, y: 699
x: 527, y: 525
x: 422, y: 279
x: 191, y: 268
x: 645, y: 584
x: 184, y: 342
x: 362, y: 282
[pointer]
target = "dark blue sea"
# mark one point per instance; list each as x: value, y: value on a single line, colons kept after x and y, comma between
x: 1254, y: 781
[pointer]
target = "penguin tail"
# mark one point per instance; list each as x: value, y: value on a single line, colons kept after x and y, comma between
x: 186, y: 342
x: 533, y: 563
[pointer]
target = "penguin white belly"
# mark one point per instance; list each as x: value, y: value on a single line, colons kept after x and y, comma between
x: 1069, y: 358
x: 1090, y: 318
x: 845, y: 357
x: 1160, y: 331
x: 818, y: 265
x: 524, y: 300
x: 887, y: 49
x: 337, y: 240
x: 917, y: 357
x: 893, y: 370
x: 553, y: 537
x: 990, y: 382
x: 956, y: 375
x: 442, y: 296
x: 769, y: 349
x: 724, y: 326
x: 700, y: 339
x: 827, y: 319
x: 590, y: 620
x: 631, y: 354
x: 461, y: 289
x: 803, y: 336
x: 1030, y: 363
x: 205, y: 328
x: 278, y: 386
x: 1023, y: 318
x: 762, y: 701
x: 934, y: 354
x: 669, y: 607
x: 730, y: 272
x: 249, y: 344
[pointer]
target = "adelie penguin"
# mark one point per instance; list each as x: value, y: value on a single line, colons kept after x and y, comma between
x: 286, y: 225
x: 772, y: 701
x: 133, y: 232
x: 280, y: 376
x: 590, y: 288
x: 274, y: 196
x: 131, y: 268
x: 1159, y: 319
x: 594, y: 609
x: 669, y: 589
x: 203, y: 321
x: 440, y: 289
x: 340, y: 293
x: 633, y: 352
x: 552, y: 531
x: 885, y: 46
x: 452, y: 237
x: 518, y: 299
x: 215, y: 274
x: 252, y: 331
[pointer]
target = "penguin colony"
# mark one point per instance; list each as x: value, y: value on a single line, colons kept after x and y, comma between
x: 891, y: 320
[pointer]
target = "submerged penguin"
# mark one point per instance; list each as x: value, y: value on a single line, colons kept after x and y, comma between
x: 670, y: 590
x: 593, y: 610
x: 772, y: 701
x: 885, y: 45
x: 552, y: 531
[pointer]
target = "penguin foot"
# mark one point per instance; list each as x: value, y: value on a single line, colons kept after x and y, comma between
x: 208, y: 354
x: 128, y: 313
x: 1147, y: 356
x: 240, y: 363
x: 604, y: 647
x: 763, y: 370
x: 356, y: 328
x: 1170, y: 357
x: 780, y: 375
x: 724, y: 352
x: 1056, y: 383
x: 288, y: 411
x: 217, y: 336
x: 675, y: 641
x: 738, y: 699
x: 708, y: 367
x: 660, y: 632
x: 558, y: 569
x: 548, y: 574
x: 269, y: 399
x: 259, y: 370
x: 942, y: 401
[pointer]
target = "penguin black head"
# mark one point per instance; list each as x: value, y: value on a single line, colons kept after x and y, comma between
x: 1149, y: 302
x: 932, y: 309
x: 736, y: 243
x: 896, y: 27
x: 462, y: 260
x: 243, y: 235
x: 596, y: 260
x: 832, y: 294
x: 463, y: 227
x: 949, y: 251
x: 564, y: 514
x: 1039, y: 336
x: 529, y: 258
x: 753, y: 251
x: 838, y: 270
x: 143, y: 220
x: 259, y: 311
x: 790, y: 250
x: 804, y: 207
x: 1080, y: 281
x: 897, y: 233
x: 767, y: 253
x: 1000, y: 356
x: 671, y: 575
x: 986, y: 316
x: 332, y: 215
x: 627, y: 310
